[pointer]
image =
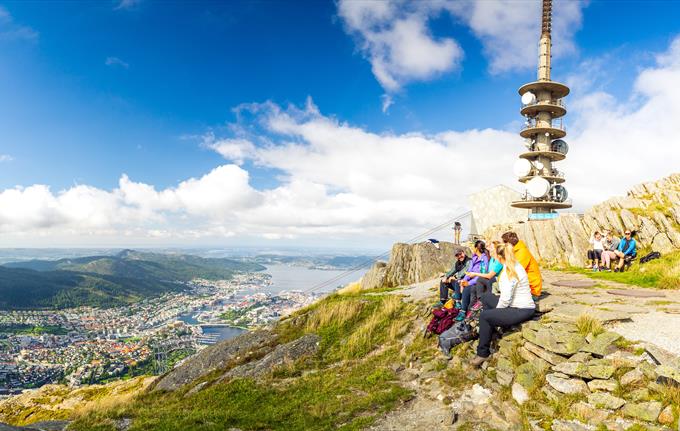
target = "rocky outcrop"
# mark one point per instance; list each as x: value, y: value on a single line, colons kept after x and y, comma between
x: 651, y: 208
x: 238, y: 350
x: 410, y: 263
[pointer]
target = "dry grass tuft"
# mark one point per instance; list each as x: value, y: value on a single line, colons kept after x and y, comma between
x: 350, y: 289
x: 336, y: 312
x: 589, y: 325
x: 363, y: 338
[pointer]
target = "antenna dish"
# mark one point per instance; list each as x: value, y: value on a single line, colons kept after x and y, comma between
x: 528, y: 98
x: 528, y: 142
x: 522, y: 167
x: 538, y: 165
x: 538, y: 187
x: 560, y: 146
x: 559, y: 193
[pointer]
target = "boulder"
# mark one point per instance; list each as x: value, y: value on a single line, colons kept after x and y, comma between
x: 668, y: 375
x: 547, y: 356
x: 632, y: 377
x: 605, y: 400
x: 560, y: 342
x: 602, y: 345
x: 306, y: 345
x: 218, y: 356
x: 608, y: 385
x: 648, y: 411
x: 566, y: 385
x: 576, y: 369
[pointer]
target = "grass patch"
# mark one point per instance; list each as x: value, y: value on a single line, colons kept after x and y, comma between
x: 587, y: 324
x: 662, y: 273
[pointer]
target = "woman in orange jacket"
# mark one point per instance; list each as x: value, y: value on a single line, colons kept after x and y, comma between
x: 527, y: 260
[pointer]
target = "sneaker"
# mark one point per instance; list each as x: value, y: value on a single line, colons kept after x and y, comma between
x: 457, y: 296
x: 461, y: 316
x: 458, y: 305
x: 468, y: 315
x: 616, y: 269
x: 477, y: 306
x: 438, y: 304
x: 477, y: 361
x: 595, y: 269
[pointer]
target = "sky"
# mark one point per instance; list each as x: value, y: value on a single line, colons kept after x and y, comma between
x: 141, y: 123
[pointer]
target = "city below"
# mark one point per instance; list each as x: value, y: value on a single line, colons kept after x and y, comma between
x: 87, y: 345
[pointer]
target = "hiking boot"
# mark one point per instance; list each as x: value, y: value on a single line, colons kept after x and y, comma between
x: 616, y: 269
x: 477, y: 306
x: 461, y: 316
x: 477, y: 361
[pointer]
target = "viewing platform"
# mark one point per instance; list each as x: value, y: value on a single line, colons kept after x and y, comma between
x: 556, y: 89
x: 555, y: 131
x: 556, y: 107
x: 534, y: 154
x: 554, y: 178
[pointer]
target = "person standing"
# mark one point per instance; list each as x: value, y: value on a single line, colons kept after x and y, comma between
x: 514, y: 305
x: 457, y: 229
x: 528, y: 262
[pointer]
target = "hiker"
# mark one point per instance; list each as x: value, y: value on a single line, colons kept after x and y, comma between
x: 526, y: 259
x: 486, y: 280
x: 514, y: 305
x: 626, y: 251
x: 595, y: 254
x: 611, y: 244
x: 450, y: 279
x: 478, y: 264
x: 457, y: 229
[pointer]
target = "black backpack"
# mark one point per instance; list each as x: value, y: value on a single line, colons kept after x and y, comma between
x: 459, y: 333
x: 651, y: 256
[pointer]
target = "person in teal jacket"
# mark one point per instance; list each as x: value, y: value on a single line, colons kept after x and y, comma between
x: 627, y: 250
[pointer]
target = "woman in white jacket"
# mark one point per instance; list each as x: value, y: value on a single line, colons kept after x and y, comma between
x: 514, y: 305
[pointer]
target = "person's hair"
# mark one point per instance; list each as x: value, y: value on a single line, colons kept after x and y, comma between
x: 497, y: 245
x: 480, y: 246
x: 510, y: 237
x: 507, y: 257
x: 597, y: 233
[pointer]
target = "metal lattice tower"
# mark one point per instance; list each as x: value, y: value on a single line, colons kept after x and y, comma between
x: 543, y: 108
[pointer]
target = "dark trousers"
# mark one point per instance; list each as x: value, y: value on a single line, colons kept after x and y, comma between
x: 444, y: 290
x: 594, y: 254
x: 492, y: 317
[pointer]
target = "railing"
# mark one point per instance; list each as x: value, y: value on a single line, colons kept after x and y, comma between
x: 554, y: 124
x: 537, y: 173
x: 556, y: 102
x: 526, y: 197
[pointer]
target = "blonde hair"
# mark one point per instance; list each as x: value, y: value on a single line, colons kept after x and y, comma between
x: 506, y: 256
x: 497, y: 245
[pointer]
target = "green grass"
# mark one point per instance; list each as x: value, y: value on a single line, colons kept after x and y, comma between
x: 345, y: 386
x: 587, y: 324
x: 662, y: 273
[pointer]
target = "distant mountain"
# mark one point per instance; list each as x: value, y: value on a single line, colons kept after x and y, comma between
x: 106, y: 281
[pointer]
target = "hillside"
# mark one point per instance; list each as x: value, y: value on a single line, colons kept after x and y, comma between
x: 106, y: 281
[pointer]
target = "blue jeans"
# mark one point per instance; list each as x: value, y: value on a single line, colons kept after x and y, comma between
x: 444, y: 290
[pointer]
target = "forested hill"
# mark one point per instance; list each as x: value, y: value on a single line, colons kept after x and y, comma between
x: 106, y: 281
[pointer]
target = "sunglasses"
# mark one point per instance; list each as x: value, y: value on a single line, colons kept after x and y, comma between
x: 627, y: 233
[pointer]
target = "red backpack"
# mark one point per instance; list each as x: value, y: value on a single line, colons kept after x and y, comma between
x: 442, y: 319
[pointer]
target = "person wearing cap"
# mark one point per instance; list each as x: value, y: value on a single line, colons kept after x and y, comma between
x: 627, y: 250
x: 450, y: 280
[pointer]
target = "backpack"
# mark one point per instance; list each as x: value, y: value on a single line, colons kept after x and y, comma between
x: 442, y: 319
x: 455, y: 335
x: 651, y: 256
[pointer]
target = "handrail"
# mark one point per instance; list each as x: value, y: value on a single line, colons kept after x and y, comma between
x: 555, y: 102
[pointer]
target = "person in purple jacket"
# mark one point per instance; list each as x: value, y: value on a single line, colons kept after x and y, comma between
x: 480, y: 264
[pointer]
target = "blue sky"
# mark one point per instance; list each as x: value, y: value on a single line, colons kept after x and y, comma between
x: 92, y: 91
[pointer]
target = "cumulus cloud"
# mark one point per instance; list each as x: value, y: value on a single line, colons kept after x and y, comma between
x: 6, y: 158
x: 10, y: 30
x: 395, y: 36
x: 339, y: 181
x: 116, y: 62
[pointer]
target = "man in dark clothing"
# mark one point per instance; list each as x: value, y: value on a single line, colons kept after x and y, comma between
x: 450, y: 279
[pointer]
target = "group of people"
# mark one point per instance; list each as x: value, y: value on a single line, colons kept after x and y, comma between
x: 607, y: 249
x: 516, y: 272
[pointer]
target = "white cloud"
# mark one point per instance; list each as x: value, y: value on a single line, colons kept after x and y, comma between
x: 395, y: 37
x: 127, y: 4
x: 6, y: 158
x: 338, y: 181
x: 115, y: 61
x: 10, y: 30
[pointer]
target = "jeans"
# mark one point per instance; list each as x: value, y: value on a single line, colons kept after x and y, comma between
x: 444, y: 290
x: 492, y: 317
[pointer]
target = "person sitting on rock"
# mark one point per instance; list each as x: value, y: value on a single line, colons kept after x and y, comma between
x: 451, y: 279
x: 611, y: 244
x: 485, y: 280
x: 526, y: 259
x: 595, y: 253
x: 478, y: 264
x: 514, y: 305
x: 626, y: 251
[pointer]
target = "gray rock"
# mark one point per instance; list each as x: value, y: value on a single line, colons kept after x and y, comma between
x: 605, y: 400
x: 567, y: 386
x: 632, y: 377
x: 5, y: 427
x: 550, y: 357
x: 668, y: 375
x: 589, y: 413
x: 526, y: 375
x: 576, y: 369
x: 608, y: 385
x: 641, y: 394
x: 284, y: 353
x: 601, y: 369
x: 221, y: 355
x: 666, y: 416
x: 648, y: 411
x: 561, y: 425
x: 50, y: 425
x: 581, y: 357
x: 504, y: 378
x: 622, y: 359
x: 602, y: 345
x: 519, y: 394
x: 563, y: 343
